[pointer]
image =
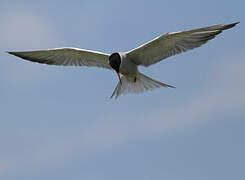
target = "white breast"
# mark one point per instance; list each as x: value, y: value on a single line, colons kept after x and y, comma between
x: 127, y: 67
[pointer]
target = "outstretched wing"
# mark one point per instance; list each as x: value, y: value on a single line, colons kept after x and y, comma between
x: 66, y: 57
x: 171, y: 44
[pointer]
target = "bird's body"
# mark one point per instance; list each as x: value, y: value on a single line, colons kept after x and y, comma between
x: 127, y: 67
x: 127, y: 63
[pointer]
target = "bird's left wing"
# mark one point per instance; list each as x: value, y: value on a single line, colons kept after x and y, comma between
x: 171, y: 44
x: 66, y: 57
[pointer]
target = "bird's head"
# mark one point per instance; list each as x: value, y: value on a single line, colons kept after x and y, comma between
x: 115, y: 62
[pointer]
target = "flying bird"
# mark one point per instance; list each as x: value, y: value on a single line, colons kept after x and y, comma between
x: 126, y: 63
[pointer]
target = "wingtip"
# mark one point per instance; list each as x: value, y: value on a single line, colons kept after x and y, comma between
x: 228, y: 26
x: 233, y: 24
x: 10, y: 52
x: 171, y: 86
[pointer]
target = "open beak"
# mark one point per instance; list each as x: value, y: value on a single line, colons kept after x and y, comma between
x: 118, y: 74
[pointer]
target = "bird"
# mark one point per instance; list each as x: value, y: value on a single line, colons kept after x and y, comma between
x: 126, y: 63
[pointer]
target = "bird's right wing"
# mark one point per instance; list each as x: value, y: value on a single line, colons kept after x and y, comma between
x: 66, y: 57
x: 171, y: 44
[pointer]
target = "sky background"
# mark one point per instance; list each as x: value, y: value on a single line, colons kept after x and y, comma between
x: 59, y: 123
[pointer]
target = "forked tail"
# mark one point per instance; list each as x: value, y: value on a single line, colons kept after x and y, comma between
x: 142, y: 83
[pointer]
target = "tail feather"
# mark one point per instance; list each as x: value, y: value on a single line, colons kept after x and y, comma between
x: 143, y: 83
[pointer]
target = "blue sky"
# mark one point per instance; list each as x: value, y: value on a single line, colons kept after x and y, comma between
x: 59, y: 123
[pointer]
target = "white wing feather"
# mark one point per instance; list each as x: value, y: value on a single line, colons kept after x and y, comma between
x: 171, y: 44
x: 66, y: 57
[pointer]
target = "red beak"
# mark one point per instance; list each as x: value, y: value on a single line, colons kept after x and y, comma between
x: 118, y: 74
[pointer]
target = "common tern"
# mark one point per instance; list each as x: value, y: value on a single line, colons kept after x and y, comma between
x: 126, y: 63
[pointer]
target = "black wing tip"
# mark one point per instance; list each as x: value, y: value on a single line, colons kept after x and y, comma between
x: 13, y: 53
x: 171, y: 86
x: 228, y: 26
x: 9, y: 52
x: 22, y: 56
x: 236, y: 23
